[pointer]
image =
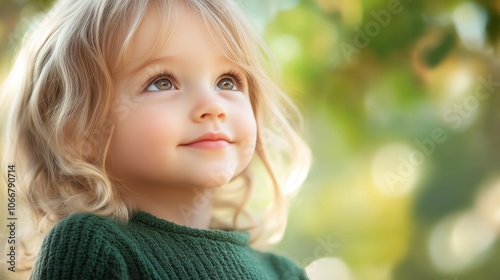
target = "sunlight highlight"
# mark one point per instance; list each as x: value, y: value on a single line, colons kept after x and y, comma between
x: 396, y: 169
x: 459, y: 242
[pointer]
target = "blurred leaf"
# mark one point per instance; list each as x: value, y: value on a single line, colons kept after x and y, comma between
x: 434, y: 56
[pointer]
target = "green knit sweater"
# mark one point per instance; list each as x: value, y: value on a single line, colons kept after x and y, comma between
x: 87, y: 246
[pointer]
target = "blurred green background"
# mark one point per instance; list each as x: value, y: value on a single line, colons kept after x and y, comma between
x: 399, y: 99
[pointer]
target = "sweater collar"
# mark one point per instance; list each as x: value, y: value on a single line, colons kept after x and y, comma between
x: 145, y: 218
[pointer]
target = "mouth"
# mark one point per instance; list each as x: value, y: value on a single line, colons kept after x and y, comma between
x: 210, y: 140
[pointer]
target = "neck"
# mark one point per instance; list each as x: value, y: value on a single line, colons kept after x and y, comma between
x: 184, y: 206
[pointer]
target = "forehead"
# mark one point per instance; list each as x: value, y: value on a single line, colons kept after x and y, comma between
x: 174, y: 31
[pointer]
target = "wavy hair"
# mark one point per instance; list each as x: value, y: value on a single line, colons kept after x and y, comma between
x: 61, y: 97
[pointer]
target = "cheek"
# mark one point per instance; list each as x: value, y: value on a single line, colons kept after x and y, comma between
x: 144, y: 133
x: 247, y: 130
x: 250, y: 127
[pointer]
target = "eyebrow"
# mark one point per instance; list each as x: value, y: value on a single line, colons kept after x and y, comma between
x: 170, y: 59
x: 157, y: 60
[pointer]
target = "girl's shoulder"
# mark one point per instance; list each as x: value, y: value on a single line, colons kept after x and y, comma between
x: 81, y: 246
x: 84, y: 229
x: 86, y: 223
x: 282, y: 267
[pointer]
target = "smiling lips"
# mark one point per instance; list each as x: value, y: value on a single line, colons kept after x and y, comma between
x: 211, y: 140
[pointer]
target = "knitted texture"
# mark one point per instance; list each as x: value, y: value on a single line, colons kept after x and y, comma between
x: 87, y: 246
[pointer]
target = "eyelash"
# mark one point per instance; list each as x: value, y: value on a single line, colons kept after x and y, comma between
x: 162, y: 74
x: 235, y: 75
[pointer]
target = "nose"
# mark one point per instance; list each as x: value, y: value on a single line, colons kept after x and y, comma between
x: 208, y: 108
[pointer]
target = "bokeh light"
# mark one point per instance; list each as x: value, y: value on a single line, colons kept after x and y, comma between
x: 326, y: 268
x: 396, y: 169
x: 460, y: 241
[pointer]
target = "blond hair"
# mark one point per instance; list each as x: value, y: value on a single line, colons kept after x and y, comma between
x: 61, y: 97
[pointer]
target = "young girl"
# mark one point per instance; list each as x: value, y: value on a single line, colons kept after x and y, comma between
x: 134, y: 126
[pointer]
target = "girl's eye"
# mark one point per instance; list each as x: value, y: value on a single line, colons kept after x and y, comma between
x: 161, y: 84
x: 226, y: 84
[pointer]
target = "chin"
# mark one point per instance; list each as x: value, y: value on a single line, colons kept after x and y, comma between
x: 211, y: 177
x: 214, y: 179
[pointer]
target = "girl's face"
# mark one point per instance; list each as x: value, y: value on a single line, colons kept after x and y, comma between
x: 183, y: 115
